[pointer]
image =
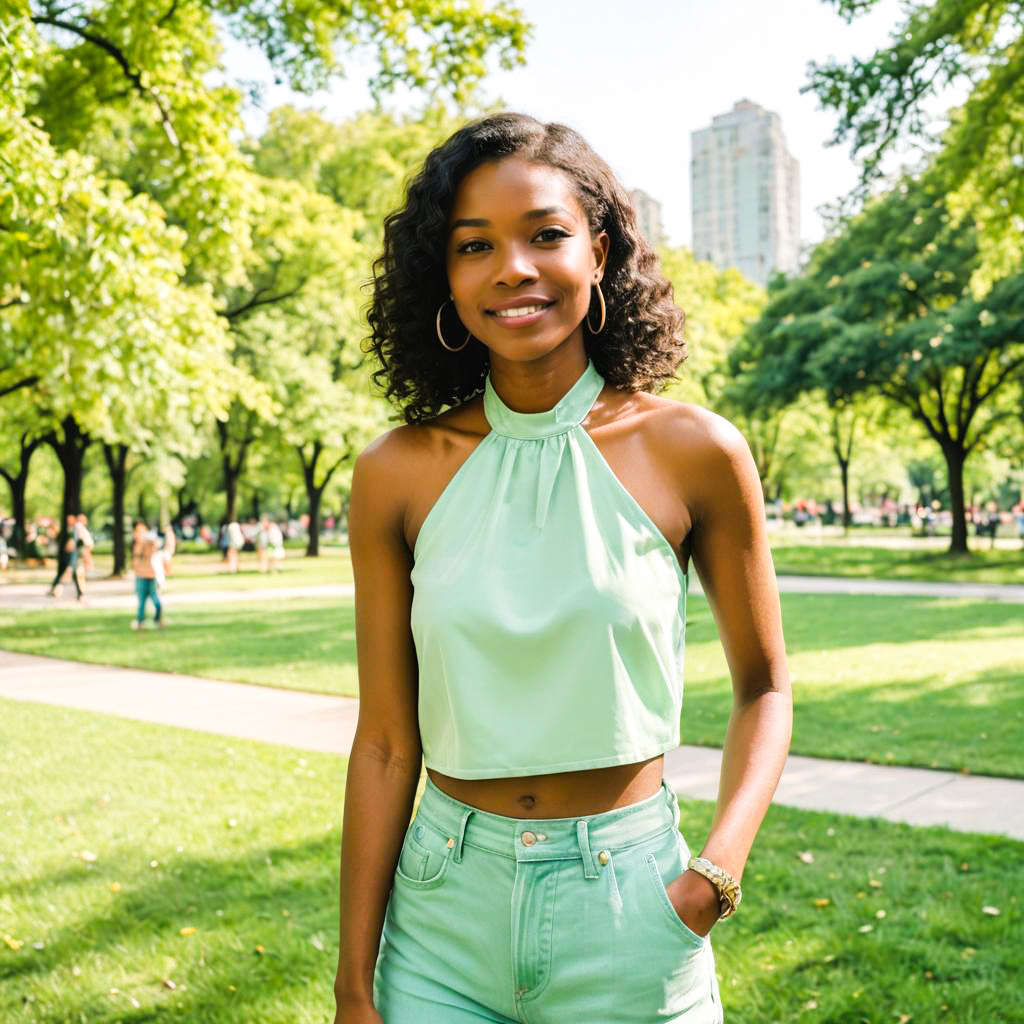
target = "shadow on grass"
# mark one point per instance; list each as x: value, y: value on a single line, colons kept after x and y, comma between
x: 246, y: 961
x: 931, y: 946
x: 969, y: 725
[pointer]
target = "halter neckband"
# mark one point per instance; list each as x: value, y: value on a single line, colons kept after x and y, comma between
x: 570, y: 410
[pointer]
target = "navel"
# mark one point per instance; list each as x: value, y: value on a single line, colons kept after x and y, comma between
x: 527, y: 801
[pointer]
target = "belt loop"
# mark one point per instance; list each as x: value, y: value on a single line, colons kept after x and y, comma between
x: 466, y: 815
x: 673, y: 802
x: 583, y: 838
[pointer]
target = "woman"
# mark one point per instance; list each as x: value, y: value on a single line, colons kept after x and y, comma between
x: 145, y: 565
x: 521, y: 563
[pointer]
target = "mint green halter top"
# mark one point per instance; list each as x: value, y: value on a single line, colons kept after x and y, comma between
x: 549, y: 611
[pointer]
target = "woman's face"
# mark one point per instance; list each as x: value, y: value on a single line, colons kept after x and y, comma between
x: 521, y: 260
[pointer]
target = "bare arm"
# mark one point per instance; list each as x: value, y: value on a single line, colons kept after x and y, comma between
x: 731, y: 553
x: 384, y: 765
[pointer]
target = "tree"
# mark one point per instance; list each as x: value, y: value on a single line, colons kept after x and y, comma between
x: 882, y: 100
x: 362, y: 163
x: 301, y: 280
x: 720, y: 305
x: 18, y: 444
x: 117, y: 68
x: 886, y: 308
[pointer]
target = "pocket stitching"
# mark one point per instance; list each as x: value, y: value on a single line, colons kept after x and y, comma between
x: 422, y: 883
x: 666, y: 904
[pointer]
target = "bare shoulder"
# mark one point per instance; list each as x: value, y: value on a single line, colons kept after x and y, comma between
x: 392, y: 463
x: 695, y: 433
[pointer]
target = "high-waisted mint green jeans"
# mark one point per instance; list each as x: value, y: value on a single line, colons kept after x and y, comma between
x: 565, y: 921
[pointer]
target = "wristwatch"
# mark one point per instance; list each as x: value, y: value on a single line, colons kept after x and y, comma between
x: 729, y: 893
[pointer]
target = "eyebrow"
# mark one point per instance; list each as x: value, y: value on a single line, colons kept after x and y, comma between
x: 481, y: 222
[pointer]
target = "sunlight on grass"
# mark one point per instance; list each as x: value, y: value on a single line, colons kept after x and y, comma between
x: 151, y: 873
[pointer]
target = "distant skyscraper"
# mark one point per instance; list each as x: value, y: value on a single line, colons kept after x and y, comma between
x: 745, y: 189
x: 648, y: 215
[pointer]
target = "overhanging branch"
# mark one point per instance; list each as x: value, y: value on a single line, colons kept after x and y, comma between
x: 26, y: 382
x: 121, y: 60
x: 258, y: 300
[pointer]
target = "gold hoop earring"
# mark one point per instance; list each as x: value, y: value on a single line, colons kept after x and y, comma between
x: 600, y: 299
x: 440, y: 337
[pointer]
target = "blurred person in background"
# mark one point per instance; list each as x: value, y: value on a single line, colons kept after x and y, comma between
x: 145, y: 552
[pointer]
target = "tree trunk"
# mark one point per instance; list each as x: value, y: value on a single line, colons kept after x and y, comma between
x: 843, y: 454
x: 18, y: 484
x: 255, y: 506
x: 232, y: 472
x: 69, y: 444
x: 230, y: 491
x: 955, y: 459
x: 844, y: 473
x: 117, y: 457
x: 313, y: 544
x: 314, y: 493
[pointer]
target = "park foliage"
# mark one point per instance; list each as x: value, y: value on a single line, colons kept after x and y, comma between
x: 915, y: 303
x: 189, y: 301
x: 170, y: 291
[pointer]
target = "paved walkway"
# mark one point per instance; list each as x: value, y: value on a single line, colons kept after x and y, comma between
x: 121, y: 593
x: 917, y: 796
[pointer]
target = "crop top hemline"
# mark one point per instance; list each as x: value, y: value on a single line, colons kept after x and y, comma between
x: 551, y: 769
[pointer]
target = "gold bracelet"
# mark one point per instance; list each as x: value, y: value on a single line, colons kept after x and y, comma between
x: 729, y: 892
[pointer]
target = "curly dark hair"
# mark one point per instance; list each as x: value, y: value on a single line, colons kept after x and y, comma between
x: 641, y: 345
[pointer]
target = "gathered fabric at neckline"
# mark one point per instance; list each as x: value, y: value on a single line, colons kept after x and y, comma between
x: 570, y: 410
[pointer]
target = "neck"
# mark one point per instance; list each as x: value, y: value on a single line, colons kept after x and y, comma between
x: 538, y: 384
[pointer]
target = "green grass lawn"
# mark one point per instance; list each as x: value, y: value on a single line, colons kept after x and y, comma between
x: 932, y: 682
x: 298, y: 644
x: 915, y: 681
x: 134, y: 858
x: 864, y: 562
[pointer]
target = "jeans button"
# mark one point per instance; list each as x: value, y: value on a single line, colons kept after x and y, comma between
x: 528, y: 838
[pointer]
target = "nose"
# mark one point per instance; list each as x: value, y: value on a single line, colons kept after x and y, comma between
x: 516, y: 267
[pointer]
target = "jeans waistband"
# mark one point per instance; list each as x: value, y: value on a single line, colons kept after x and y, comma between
x: 526, y: 839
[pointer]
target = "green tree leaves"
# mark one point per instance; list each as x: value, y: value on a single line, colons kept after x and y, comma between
x: 976, y: 45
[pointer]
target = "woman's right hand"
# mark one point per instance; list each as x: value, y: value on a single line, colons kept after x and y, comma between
x: 363, y: 1013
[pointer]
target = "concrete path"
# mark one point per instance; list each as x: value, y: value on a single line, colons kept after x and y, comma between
x: 121, y: 594
x: 967, y: 803
x: 1012, y: 592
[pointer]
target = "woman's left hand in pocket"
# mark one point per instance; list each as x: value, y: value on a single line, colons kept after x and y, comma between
x: 695, y: 900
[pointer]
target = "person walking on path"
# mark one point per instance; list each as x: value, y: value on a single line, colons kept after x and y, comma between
x: 144, y: 554
x: 65, y: 554
x: 521, y: 548
x: 263, y: 543
x: 236, y: 541
x: 82, y: 558
x: 275, y: 546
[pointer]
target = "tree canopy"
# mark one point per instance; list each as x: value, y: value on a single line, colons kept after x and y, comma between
x: 884, y: 100
x: 886, y: 308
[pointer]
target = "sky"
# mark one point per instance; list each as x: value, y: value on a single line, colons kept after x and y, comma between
x: 637, y: 77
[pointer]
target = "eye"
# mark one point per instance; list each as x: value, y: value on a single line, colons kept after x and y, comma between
x: 473, y: 245
x: 551, y: 234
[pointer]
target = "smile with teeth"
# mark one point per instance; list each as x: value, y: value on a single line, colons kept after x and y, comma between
x: 520, y: 311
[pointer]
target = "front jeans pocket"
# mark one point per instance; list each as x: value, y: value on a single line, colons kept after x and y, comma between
x: 658, y: 884
x: 424, y: 858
